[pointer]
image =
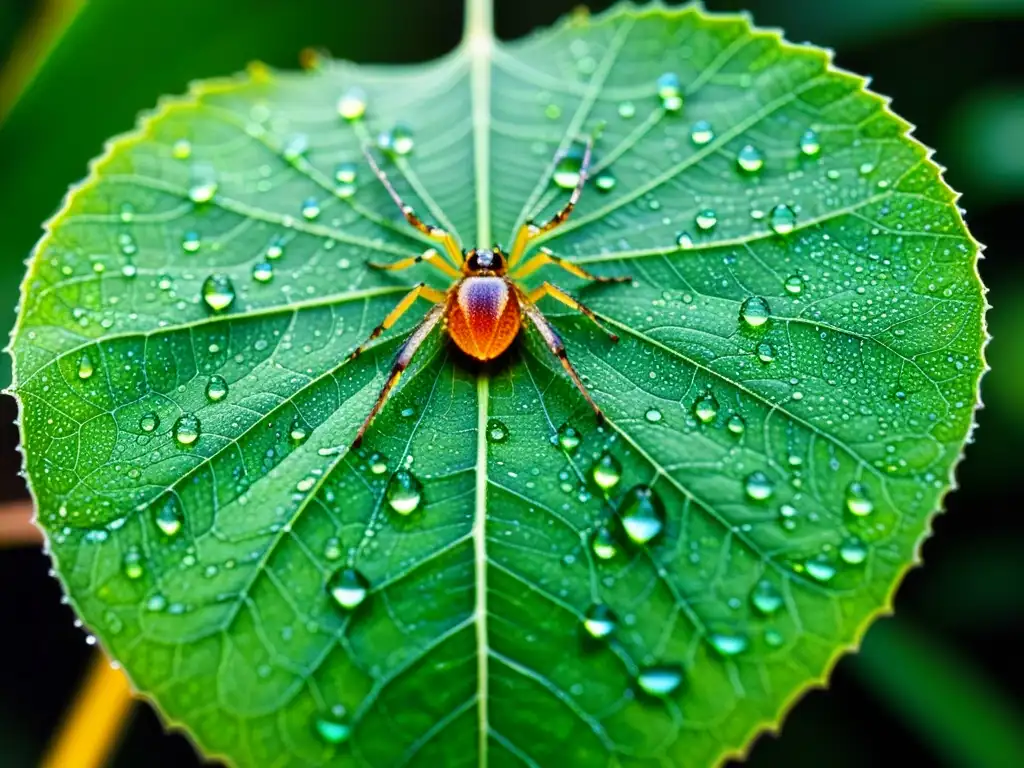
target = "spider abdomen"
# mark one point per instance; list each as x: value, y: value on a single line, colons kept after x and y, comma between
x: 483, y: 316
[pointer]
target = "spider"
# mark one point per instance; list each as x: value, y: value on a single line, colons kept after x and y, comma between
x: 484, y: 308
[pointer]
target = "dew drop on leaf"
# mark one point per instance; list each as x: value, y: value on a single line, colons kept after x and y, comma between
x: 297, y: 432
x: 728, y: 643
x: 765, y: 352
x: 858, y: 502
x: 348, y: 587
x: 216, y: 388
x: 191, y: 242
x: 568, y: 438
x: 736, y: 424
x: 149, y: 421
x: 750, y: 159
x: 705, y: 408
x: 794, y: 285
x: 853, y: 551
x: 332, y: 730
x: 218, y: 292
x: 275, y: 249
x: 186, y: 429
x: 684, y: 240
x: 295, y: 147
x: 181, y: 149
x: 497, y: 432
x: 627, y: 110
x: 810, y: 145
x: 670, y: 92
x: 567, y: 169
x: 642, y: 514
x: 599, y: 621
x: 85, y: 366
x: 402, y: 140
x: 607, y: 471
x: 653, y: 415
x: 765, y: 597
x: 605, y: 181
x: 168, y: 516
x: 782, y: 220
x: 660, y: 680
x: 701, y: 132
x: 759, y: 486
x: 706, y: 219
x: 603, y: 544
x: 203, y: 187
x: 754, y: 311
x: 404, y: 492
x: 132, y: 565
x: 377, y: 463
x: 263, y: 272
x: 352, y: 104
x: 310, y: 208
x: 820, y: 568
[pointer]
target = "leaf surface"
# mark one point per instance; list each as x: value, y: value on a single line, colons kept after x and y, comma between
x: 494, y: 579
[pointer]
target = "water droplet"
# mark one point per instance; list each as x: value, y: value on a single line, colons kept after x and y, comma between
x: 809, y: 143
x: 765, y: 352
x: 653, y: 415
x: 603, y: 544
x: 310, y: 208
x: 404, y: 492
x: 186, y: 429
x: 705, y: 408
x: 820, y: 568
x: 127, y: 212
x: 332, y: 549
x: 216, y: 388
x: 402, y: 140
x: 670, y: 92
x: 348, y: 587
x: 787, y: 516
x: 736, y: 424
x: 684, y: 241
x: 782, y: 220
x: 181, y: 149
x: 85, y: 367
x: 642, y: 514
x: 569, y: 438
x: 706, y: 219
x: 858, y: 501
x: 750, y: 159
x: 728, y: 643
x: 605, y: 181
x: 599, y: 621
x: 627, y: 110
x: 378, y: 463
x: 661, y: 679
x: 331, y: 729
x: 607, y: 471
x: 132, y: 564
x: 297, y: 431
x: 701, y: 132
x: 759, y: 486
x: 853, y: 551
x: 168, y: 516
x: 191, y: 242
x: 203, y: 188
x: 129, y: 270
x: 552, y: 111
x: 275, y: 249
x: 773, y: 637
x: 765, y: 597
x: 345, y: 175
x: 755, y: 311
x: 218, y: 292
x: 295, y: 147
x: 263, y: 272
x: 497, y: 432
x: 352, y: 104
x: 567, y: 169
x: 149, y: 422
x: 156, y: 603
x: 794, y: 285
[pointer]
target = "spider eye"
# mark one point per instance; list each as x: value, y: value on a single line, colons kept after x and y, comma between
x: 482, y: 259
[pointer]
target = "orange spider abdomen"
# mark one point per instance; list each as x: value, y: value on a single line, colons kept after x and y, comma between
x: 483, y: 316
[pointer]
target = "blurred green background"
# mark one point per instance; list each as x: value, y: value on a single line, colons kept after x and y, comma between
x: 943, y: 683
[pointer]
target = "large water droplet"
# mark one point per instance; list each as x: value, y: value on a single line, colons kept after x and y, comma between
x: 759, y: 486
x: 404, y: 492
x: 853, y: 551
x: 568, y: 438
x: 567, y: 169
x: 599, y: 621
x: 168, y: 516
x: 661, y: 679
x: 348, y: 587
x: 216, y: 388
x: 858, y: 501
x: 149, y: 421
x: 496, y: 431
x: 627, y: 110
x: 297, y: 431
x: 705, y: 408
x: 181, y: 149
x: 603, y: 544
x: 331, y: 729
x: 295, y: 147
x: 345, y: 175
x: 402, y: 140
x: 310, y: 208
x: 736, y: 424
x: 670, y: 91
x: 706, y: 219
x: 794, y: 285
x: 809, y: 143
x: 605, y: 181
x: 607, y: 471
x: 755, y: 311
x: 750, y: 159
x: 191, y: 242
x: 263, y: 272
x: 765, y: 597
x: 352, y: 104
x: 820, y: 568
x: 684, y: 240
x: 728, y: 643
x: 187, y: 429
x: 765, y: 352
x: 642, y: 514
x: 782, y: 220
x: 653, y: 415
x: 218, y: 292
x: 132, y: 564
x: 275, y: 249
x: 85, y: 367
x: 204, y: 184
x: 701, y: 132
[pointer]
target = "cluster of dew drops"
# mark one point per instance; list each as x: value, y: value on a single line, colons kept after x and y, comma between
x: 640, y: 515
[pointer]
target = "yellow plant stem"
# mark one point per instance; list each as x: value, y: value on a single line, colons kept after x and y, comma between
x: 16, y: 528
x: 96, y: 720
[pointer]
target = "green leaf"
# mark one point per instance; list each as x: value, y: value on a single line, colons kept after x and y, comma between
x: 797, y: 373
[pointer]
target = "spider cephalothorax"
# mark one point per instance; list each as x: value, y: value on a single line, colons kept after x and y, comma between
x: 484, y: 307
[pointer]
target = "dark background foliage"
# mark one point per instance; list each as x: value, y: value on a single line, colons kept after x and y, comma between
x: 953, y: 68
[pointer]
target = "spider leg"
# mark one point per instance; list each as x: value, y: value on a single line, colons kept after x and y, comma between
x: 451, y: 247
x: 530, y: 231
x: 547, y: 289
x: 547, y: 257
x: 405, y: 355
x: 430, y: 294
x: 554, y: 342
x: 430, y: 256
